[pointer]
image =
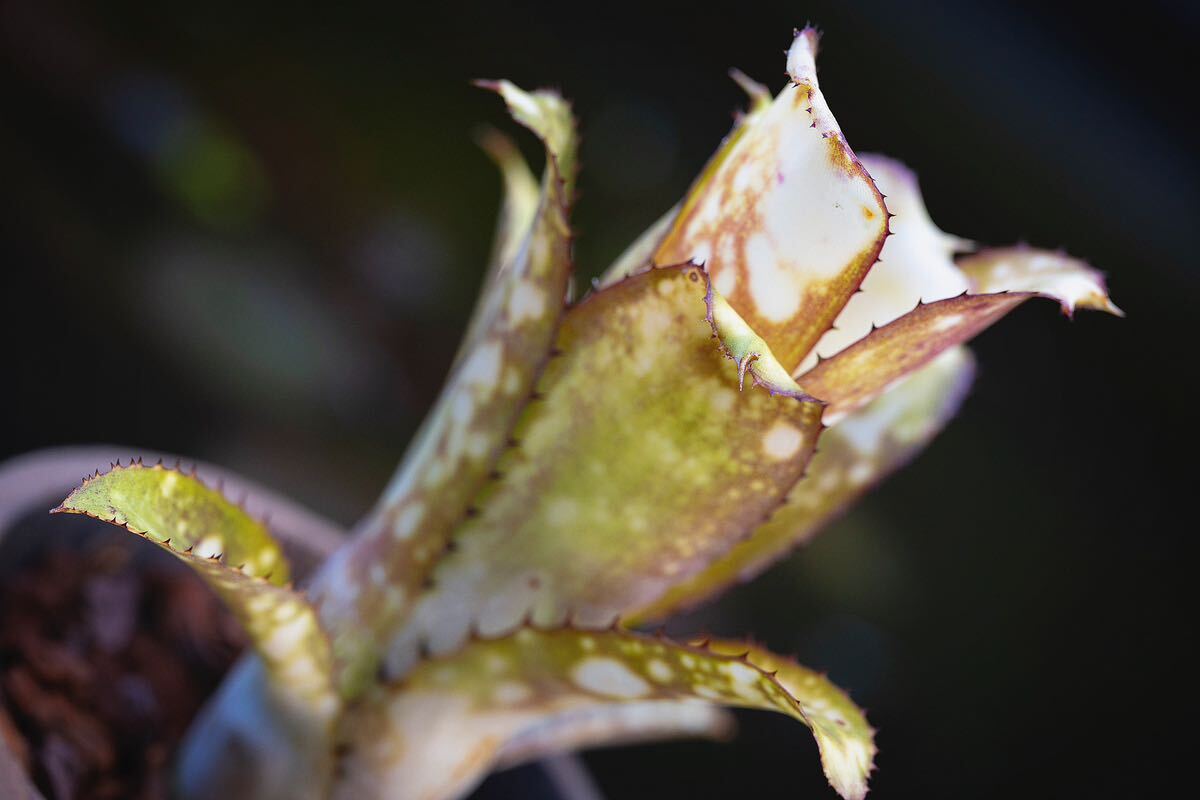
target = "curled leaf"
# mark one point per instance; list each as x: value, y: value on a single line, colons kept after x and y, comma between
x: 1055, y: 276
x: 435, y: 734
x: 232, y: 552
x: 177, y: 510
x: 748, y: 350
x: 639, y: 429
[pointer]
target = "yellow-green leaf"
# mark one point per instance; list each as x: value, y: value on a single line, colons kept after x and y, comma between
x: 434, y: 735
x: 233, y: 553
x: 176, y: 509
x: 852, y: 456
x: 785, y: 218
x: 640, y: 463
x: 368, y: 589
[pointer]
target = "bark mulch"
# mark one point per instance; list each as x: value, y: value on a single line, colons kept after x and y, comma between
x: 104, y: 661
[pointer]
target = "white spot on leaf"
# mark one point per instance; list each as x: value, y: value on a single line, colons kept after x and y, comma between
x: 609, y: 677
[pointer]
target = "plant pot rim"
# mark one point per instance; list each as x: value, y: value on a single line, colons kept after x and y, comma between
x: 44, y: 477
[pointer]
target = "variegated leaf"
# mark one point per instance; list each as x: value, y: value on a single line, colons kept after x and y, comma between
x: 867, y: 368
x: 852, y: 456
x: 639, y: 429
x: 234, y: 554
x: 434, y: 735
x: 785, y: 218
x: 368, y: 588
x: 915, y: 265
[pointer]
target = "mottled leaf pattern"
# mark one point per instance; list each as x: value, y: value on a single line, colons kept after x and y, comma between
x: 368, y: 589
x: 785, y: 218
x: 606, y: 465
x: 639, y: 430
x: 233, y: 553
x: 845, y: 738
x: 851, y: 457
x: 435, y: 734
x: 863, y: 371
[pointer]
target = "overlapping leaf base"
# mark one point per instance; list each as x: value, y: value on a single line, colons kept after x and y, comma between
x: 640, y: 430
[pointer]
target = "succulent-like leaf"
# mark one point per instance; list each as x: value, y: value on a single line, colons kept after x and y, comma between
x: 173, y: 508
x: 785, y: 218
x: 640, y: 464
x: 368, y: 589
x: 845, y: 738
x: 435, y: 734
x: 233, y: 553
x: 852, y: 456
x: 865, y: 369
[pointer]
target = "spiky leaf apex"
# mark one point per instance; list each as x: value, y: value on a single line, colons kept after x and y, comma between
x: 171, y: 507
x: 434, y: 735
x: 367, y: 591
x: 639, y: 431
x: 548, y: 115
x: 234, y: 554
x: 785, y: 218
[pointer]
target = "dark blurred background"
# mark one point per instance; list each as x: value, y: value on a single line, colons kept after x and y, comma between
x: 253, y: 234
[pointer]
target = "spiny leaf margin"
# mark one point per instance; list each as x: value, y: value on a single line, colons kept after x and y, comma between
x: 435, y: 733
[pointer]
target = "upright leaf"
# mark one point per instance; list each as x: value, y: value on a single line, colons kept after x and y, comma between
x: 367, y: 589
x: 785, y: 218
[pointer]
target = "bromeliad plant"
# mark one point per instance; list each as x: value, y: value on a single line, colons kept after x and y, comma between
x: 598, y: 465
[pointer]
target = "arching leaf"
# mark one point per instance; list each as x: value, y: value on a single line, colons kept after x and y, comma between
x: 233, y: 553
x: 434, y: 735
